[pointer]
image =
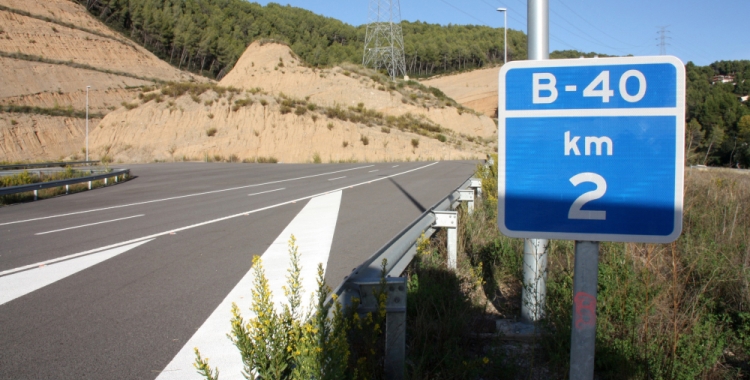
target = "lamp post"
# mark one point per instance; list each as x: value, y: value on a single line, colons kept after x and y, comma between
x: 505, y: 28
x: 87, y: 122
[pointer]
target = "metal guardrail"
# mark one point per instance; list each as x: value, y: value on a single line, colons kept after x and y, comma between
x: 62, y: 182
x: 45, y: 165
x: 364, y: 281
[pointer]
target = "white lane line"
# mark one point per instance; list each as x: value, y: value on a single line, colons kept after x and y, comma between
x: 265, y: 192
x: 90, y: 224
x: 20, y: 284
x: 183, y: 196
x: 395, y: 166
x: 333, y: 179
x: 168, y: 232
x: 313, y: 228
x: 373, y: 171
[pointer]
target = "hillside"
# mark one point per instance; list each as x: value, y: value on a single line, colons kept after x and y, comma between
x: 272, y: 105
x: 474, y: 89
x: 49, y: 52
x: 209, y: 36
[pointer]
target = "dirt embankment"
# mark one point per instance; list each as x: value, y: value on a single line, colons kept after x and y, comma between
x: 44, y: 62
x: 476, y: 89
x: 293, y: 113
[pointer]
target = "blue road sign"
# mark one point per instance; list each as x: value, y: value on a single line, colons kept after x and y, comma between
x: 592, y: 149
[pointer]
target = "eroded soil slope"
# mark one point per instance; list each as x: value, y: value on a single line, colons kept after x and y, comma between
x: 271, y: 105
x: 50, y: 50
x: 476, y: 89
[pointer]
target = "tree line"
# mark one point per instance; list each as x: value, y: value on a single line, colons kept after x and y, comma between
x: 208, y: 36
x: 718, y: 120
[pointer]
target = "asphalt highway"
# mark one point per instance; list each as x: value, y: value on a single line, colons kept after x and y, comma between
x: 113, y: 283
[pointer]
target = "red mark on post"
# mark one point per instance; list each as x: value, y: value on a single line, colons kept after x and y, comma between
x: 585, y: 310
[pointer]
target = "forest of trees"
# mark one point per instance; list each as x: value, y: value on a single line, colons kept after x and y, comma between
x: 718, y: 122
x: 208, y: 36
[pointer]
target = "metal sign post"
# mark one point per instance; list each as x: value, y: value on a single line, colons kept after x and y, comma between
x: 534, y: 291
x: 591, y: 150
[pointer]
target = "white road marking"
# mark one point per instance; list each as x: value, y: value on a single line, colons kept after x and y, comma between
x: 333, y: 179
x: 395, y: 166
x: 244, y: 213
x: 20, y: 284
x: 264, y: 192
x: 313, y: 228
x: 373, y: 171
x: 182, y: 196
x: 90, y: 224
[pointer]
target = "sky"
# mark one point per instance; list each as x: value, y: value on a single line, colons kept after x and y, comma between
x: 701, y: 31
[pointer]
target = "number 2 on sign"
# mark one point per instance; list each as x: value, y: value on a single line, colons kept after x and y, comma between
x: 575, y: 211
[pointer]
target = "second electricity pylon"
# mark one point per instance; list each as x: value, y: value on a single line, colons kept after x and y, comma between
x: 384, y: 41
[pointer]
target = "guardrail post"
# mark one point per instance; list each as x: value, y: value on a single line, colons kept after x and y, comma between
x: 89, y: 185
x: 36, y: 194
x: 467, y: 196
x: 105, y: 181
x: 476, y: 184
x: 116, y: 177
x: 449, y: 221
x: 395, y: 321
x: 67, y: 189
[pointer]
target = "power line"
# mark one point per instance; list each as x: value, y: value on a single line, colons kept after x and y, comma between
x: 595, y: 27
x: 663, y: 39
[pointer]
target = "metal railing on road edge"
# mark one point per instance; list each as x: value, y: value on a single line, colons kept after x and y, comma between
x: 62, y: 182
x: 45, y: 165
x: 365, y: 280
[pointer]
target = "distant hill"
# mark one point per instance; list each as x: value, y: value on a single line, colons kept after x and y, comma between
x: 272, y: 106
x: 208, y: 36
x: 49, y: 52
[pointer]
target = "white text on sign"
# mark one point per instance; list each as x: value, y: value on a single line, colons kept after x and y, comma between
x: 571, y: 145
x: 544, y: 87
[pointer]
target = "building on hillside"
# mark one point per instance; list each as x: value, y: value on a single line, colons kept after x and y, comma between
x: 722, y: 79
x: 744, y: 98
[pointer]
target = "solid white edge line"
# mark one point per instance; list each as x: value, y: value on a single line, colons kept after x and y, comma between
x: 372, y: 171
x: 181, y: 196
x: 333, y: 179
x: 245, y: 213
x: 266, y: 192
x: 90, y: 224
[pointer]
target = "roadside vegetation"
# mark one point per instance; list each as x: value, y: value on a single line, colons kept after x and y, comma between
x: 665, y: 311
x: 323, y: 341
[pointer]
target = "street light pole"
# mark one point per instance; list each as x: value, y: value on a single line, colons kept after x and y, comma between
x: 505, y: 29
x: 87, y: 122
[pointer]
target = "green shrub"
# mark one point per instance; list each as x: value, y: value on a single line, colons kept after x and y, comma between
x: 211, y: 132
x: 415, y: 143
x: 364, y: 139
x: 441, y: 138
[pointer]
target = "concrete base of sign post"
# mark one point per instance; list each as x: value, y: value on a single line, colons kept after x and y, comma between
x: 509, y: 329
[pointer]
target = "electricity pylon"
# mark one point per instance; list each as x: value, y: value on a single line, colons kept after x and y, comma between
x: 384, y: 41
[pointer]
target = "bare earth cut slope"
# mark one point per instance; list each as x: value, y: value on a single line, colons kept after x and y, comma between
x: 476, y: 89
x: 272, y: 105
x: 50, y: 50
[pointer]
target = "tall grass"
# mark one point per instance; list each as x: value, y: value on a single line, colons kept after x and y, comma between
x: 665, y: 311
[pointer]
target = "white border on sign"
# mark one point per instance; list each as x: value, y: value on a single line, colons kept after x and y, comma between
x: 678, y: 111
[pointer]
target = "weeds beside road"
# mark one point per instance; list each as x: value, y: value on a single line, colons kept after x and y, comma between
x: 665, y: 311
